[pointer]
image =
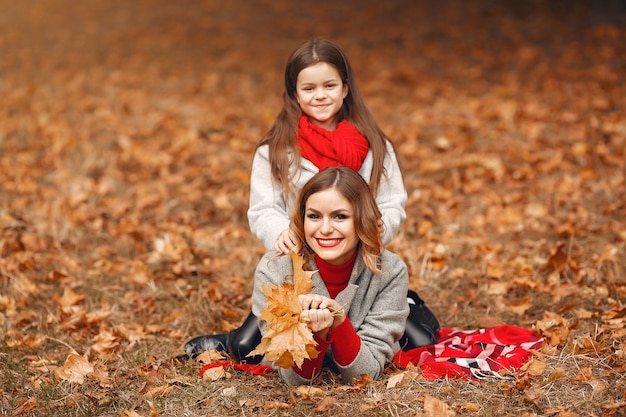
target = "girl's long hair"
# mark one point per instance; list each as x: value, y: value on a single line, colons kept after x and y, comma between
x: 282, y: 137
x: 353, y: 188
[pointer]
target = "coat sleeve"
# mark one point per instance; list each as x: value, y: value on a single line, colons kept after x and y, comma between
x: 267, y: 212
x: 384, y: 323
x: 392, y: 196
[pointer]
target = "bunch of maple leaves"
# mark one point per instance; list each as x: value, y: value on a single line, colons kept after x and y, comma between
x: 287, y: 339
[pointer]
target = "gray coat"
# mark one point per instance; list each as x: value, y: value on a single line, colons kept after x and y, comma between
x: 376, y: 306
x: 270, y: 209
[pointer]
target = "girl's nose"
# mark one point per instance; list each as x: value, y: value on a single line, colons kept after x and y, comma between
x: 320, y: 94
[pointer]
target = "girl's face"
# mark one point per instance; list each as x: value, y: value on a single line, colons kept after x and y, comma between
x: 329, y: 226
x: 320, y: 93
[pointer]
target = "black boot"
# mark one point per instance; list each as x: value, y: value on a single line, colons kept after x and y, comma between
x: 199, y: 344
x: 421, y: 325
x: 238, y: 343
x: 245, y: 339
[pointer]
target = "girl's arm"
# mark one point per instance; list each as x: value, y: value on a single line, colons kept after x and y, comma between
x: 267, y: 213
x: 392, y: 196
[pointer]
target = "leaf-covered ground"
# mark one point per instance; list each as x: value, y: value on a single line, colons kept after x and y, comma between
x: 126, y: 134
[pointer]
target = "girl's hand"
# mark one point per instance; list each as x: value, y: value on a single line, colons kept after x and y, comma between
x: 286, y: 242
x: 321, y: 313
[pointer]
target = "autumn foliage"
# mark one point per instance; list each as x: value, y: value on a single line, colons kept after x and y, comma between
x: 127, y: 130
x: 287, y: 340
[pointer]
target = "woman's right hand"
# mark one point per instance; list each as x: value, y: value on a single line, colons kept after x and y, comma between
x: 286, y: 242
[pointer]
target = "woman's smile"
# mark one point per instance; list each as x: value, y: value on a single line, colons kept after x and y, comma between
x: 328, y: 243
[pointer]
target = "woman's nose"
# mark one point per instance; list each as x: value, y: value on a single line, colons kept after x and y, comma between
x: 327, y: 226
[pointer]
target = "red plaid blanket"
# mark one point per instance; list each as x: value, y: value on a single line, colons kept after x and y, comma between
x: 474, y: 354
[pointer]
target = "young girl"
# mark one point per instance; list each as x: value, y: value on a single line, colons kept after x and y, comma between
x: 324, y: 122
x: 335, y: 223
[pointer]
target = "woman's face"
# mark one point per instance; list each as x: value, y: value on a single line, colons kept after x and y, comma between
x: 320, y: 93
x: 329, y: 226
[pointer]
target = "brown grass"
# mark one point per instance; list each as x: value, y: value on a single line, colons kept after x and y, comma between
x: 126, y: 136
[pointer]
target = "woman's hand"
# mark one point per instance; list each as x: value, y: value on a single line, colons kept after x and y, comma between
x: 286, y: 242
x: 321, y: 313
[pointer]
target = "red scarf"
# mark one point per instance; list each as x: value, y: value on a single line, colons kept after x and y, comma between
x: 335, y: 277
x: 345, y: 146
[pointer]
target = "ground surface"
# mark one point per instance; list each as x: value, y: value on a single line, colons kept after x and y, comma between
x: 126, y: 136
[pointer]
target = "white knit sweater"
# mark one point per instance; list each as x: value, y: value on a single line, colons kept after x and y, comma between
x: 270, y: 209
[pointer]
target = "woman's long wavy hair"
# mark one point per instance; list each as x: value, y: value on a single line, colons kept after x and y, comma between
x: 282, y: 137
x: 353, y: 188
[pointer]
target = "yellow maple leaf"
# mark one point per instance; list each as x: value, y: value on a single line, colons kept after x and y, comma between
x: 291, y: 345
x: 301, y: 279
x: 283, y: 305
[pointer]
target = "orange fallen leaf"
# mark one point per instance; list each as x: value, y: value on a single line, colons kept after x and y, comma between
x: 362, y: 382
x: 471, y: 407
x: 434, y: 407
x: 325, y: 405
x: 558, y: 258
x: 69, y: 298
x: 534, y: 395
x: 521, y: 306
x: 214, y: 374
x: 75, y: 369
x: 401, y: 379
x: 105, y: 342
x: 270, y: 405
x: 308, y: 392
x: 535, y: 367
x: 24, y: 407
x: 556, y: 374
x: 210, y: 356
x: 139, y: 273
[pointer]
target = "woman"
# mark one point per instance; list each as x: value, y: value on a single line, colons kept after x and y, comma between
x: 357, y: 309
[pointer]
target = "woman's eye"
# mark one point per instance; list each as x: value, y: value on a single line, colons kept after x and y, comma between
x: 312, y: 216
x: 342, y: 217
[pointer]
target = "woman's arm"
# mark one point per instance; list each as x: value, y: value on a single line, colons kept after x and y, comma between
x: 384, y: 322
